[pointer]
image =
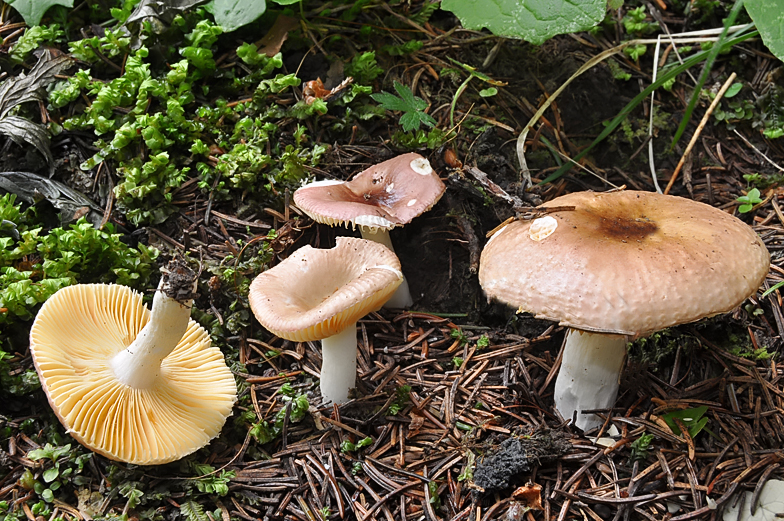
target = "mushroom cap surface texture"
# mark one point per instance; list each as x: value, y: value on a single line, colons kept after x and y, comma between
x: 383, y: 196
x: 75, y: 335
x: 624, y: 262
x: 316, y: 293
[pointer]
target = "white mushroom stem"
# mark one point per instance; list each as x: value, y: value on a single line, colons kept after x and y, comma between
x: 588, y: 378
x: 339, y: 365
x: 401, y: 298
x: 139, y: 365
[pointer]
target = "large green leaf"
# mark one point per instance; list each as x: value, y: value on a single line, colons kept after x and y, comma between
x: 532, y: 20
x: 33, y: 10
x: 767, y: 16
x: 233, y: 14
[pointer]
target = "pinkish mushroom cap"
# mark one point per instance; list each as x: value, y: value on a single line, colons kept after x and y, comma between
x: 385, y: 195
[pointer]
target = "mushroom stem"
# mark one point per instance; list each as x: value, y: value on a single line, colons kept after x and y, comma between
x: 339, y: 364
x: 138, y: 365
x: 588, y: 378
x: 401, y: 298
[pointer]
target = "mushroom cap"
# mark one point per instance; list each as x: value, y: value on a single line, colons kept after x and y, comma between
x: 385, y: 195
x: 75, y: 335
x: 624, y: 262
x: 317, y: 293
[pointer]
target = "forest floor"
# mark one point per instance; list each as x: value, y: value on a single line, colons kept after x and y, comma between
x: 455, y: 396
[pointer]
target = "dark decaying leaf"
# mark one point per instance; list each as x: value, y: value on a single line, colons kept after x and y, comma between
x: 30, y: 87
x: 23, y: 131
x: 31, y: 187
x: 161, y: 12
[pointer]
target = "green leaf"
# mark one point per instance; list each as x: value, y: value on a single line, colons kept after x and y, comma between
x: 733, y: 90
x: 486, y: 93
x: 767, y: 17
x: 51, y: 474
x: 691, y: 418
x: 233, y: 14
x: 412, y: 107
x: 33, y: 10
x: 193, y: 511
x: 534, y: 20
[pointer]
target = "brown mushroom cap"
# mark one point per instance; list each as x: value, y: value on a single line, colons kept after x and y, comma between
x: 625, y: 262
x: 385, y: 195
x: 317, y: 293
x: 75, y: 335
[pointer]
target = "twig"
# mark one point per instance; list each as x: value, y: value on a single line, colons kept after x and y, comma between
x: 697, y: 133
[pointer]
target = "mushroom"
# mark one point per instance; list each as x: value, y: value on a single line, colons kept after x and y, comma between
x: 618, y: 266
x: 385, y: 195
x: 318, y: 294
x: 133, y: 385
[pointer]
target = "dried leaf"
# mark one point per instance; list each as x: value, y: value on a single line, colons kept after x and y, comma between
x: 31, y: 187
x: 30, y: 87
x: 272, y: 41
x: 160, y: 13
x: 314, y: 89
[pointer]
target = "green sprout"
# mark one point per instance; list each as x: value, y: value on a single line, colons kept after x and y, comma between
x: 749, y: 200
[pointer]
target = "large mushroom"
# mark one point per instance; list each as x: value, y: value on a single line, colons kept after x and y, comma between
x: 133, y: 385
x: 318, y: 294
x: 376, y: 200
x: 618, y: 266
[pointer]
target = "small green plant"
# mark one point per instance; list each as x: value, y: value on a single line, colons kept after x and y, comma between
x: 483, y: 342
x: 412, y: 107
x: 265, y: 432
x: 635, y: 24
x: 62, y: 467
x: 458, y: 335
x: 468, y: 471
x: 640, y: 447
x: 748, y: 201
x: 347, y: 446
x: 457, y: 362
x: 401, y: 400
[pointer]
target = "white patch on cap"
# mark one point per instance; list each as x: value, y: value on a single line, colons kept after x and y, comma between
x: 412, y: 202
x: 373, y: 221
x: 389, y: 188
x: 421, y: 166
x: 542, y: 228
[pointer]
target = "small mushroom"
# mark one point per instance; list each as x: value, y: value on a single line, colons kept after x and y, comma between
x: 318, y: 294
x: 133, y: 385
x: 621, y: 265
x: 385, y: 195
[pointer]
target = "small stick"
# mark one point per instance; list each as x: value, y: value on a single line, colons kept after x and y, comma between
x: 696, y: 135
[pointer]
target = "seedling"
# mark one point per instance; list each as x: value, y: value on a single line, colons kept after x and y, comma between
x: 748, y: 201
x: 412, y: 107
x: 347, y: 446
x: 472, y: 73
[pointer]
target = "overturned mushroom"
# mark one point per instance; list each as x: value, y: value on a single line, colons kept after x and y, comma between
x: 378, y: 199
x: 133, y: 385
x: 621, y: 265
x: 320, y: 294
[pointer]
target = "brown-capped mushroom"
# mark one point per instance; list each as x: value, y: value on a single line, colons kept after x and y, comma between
x: 319, y: 294
x: 376, y: 200
x: 619, y: 266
